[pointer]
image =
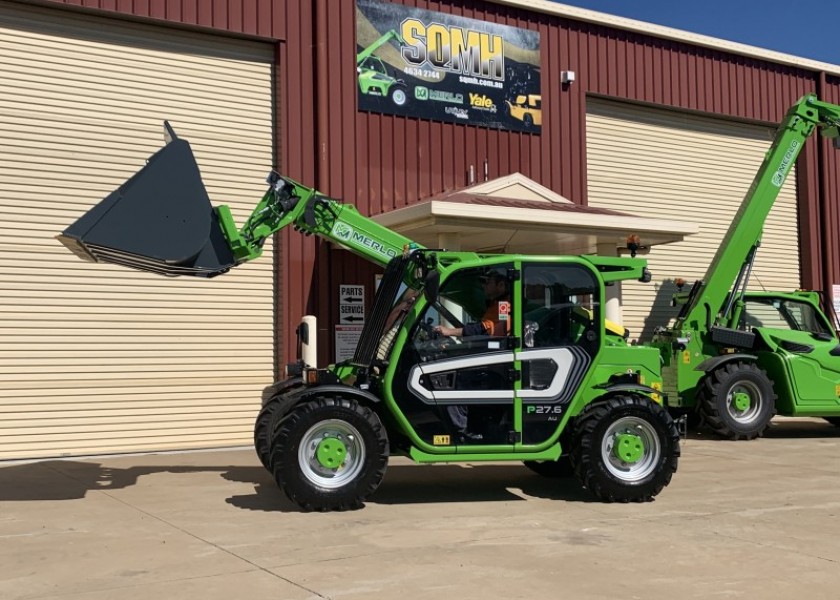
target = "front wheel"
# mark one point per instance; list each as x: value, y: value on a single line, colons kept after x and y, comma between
x: 399, y: 95
x: 329, y: 454
x: 262, y: 432
x: 737, y: 401
x: 626, y: 449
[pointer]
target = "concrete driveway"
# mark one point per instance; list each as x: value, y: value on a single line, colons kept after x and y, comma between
x: 739, y: 520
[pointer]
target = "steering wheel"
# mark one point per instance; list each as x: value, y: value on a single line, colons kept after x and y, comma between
x: 429, y: 329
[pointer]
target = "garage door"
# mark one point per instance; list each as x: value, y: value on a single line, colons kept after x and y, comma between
x: 95, y: 358
x: 667, y: 164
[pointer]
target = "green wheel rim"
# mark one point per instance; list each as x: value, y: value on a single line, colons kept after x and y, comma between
x: 331, y: 454
x: 744, y: 402
x: 741, y: 401
x: 629, y: 447
x: 636, y: 440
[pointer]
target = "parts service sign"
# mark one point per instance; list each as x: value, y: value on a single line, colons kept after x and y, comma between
x: 418, y: 63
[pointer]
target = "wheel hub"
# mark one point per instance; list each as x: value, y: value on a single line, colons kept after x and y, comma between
x: 742, y: 401
x: 331, y: 453
x: 629, y: 448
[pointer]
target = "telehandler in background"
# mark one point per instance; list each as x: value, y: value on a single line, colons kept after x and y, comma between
x: 735, y: 357
x: 373, y: 76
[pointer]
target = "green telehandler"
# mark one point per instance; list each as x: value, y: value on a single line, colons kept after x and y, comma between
x: 734, y: 357
x: 373, y: 76
x: 552, y: 384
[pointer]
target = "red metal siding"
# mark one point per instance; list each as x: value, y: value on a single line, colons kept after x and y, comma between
x: 264, y: 18
x: 825, y: 235
x: 381, y: 162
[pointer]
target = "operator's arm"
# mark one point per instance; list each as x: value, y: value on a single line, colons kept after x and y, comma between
x: 453, y: 331
x: 489, y: 325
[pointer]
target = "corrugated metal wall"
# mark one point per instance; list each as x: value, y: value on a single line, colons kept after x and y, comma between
x: 370, y: 159
x: 97, y: 358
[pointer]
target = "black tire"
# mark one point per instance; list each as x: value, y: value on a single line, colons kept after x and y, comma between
x: 262, y: 433
x: 620, y: 420
x: 833, y: 420
x: 551, y: 468
x: 721, y: 390
x: 398, y: 95
x: 266, y: 424
x: 528, y: 120
x: 315, y: 427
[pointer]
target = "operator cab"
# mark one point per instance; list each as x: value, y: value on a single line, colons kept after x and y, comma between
x: 508, y: 381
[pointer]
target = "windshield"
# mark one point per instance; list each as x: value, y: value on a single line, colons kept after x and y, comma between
x: 399, y: 310
x: 777, y: 313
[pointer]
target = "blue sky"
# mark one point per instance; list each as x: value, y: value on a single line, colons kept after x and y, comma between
x: 810, y: 30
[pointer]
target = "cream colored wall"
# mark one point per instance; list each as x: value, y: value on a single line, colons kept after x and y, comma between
x: 96, y: 358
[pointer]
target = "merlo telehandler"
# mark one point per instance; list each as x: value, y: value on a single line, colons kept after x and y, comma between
x: 553, y: 384
x: 735, y: 357
x: 373, y: 76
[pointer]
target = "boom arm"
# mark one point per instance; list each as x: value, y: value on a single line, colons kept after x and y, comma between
x: 710, y: 301
x: 289, y: 203
x: 387, y: 37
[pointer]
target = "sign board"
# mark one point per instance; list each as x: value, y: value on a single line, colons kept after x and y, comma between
x: 351, y: 304
x: 346, y: 339
x: 835, y: 301
x: 413, y: 62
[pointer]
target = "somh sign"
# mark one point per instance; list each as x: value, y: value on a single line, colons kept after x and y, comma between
x: 418, y: 63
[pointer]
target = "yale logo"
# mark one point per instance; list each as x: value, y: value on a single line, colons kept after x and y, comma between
x: 440, y: 440
x: 481, y: 101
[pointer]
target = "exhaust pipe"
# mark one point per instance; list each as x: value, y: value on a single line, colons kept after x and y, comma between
x: 160, y: 220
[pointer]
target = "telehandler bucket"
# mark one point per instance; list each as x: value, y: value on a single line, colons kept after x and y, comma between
x: 160, y: 220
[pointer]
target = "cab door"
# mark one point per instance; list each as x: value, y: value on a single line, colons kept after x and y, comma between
x: 469, y: 378
x: 561, y: 317
x: 807, y: 345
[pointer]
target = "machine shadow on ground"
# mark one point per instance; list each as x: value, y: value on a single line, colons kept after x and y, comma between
x: 403, y: 484
x: 780, y: 428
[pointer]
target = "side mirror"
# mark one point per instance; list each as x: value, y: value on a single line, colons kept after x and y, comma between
x: 431, y: 286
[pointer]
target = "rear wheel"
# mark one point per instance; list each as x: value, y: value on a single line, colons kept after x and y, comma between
x: 329, y: 454
x: 266, y: 423
x: 737, y: 401
x: 262, y: 433
x: 626, y: 449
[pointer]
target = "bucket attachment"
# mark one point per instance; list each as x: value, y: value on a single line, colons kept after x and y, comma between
x: 160, y: 220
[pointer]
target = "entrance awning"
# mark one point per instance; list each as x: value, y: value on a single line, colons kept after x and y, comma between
x: 515, y: 214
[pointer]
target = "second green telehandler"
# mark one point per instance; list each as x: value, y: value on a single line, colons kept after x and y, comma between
x: 736, y: 357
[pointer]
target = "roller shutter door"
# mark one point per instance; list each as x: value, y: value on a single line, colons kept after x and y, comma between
x: 95, y: 358
x: 671, y: 165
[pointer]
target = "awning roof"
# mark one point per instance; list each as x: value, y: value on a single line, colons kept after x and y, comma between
x: 515, y: 214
